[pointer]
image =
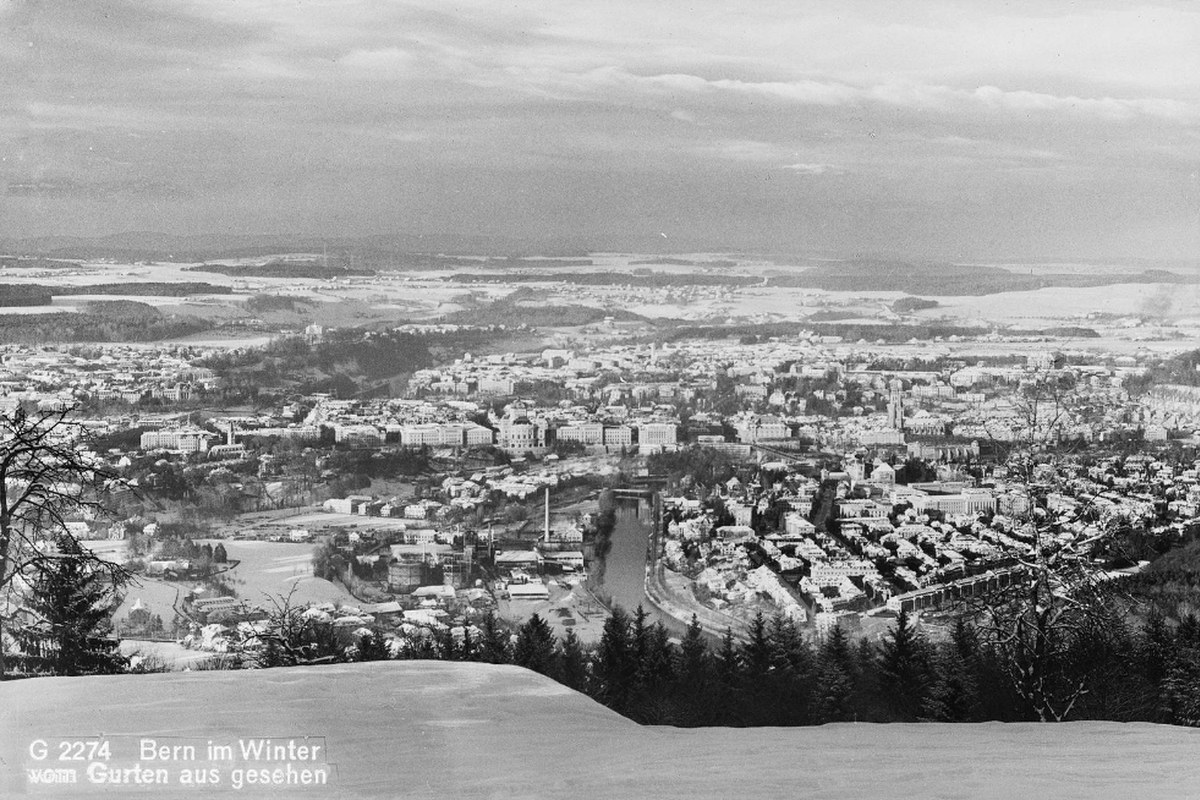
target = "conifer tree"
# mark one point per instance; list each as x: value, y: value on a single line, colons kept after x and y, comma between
x: 727, y: 695
x: 534, y: 648
x: 694, y: 665
x: 1180, y: 687
x: 693, y: 678
x: 729, y: 663
x: 494, y: 647
x: 639, y: 633
x: 46, y: 481
x: 572, y: 662
x: 656, y: 672
x: 834, y: 700
x: 903, y: 666
x: 1157, y: 646
x: 866, y: 704
x: 1157, y: 651
x: 789, y: 651
x: 72, y: 604
x: 615, y: 665
x: 954, y: 688
x: 756, y: 652
x: 792, y: 672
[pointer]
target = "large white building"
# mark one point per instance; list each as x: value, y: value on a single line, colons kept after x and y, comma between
x: 618, y: 435
x: 795, y: 524
x: 421, y: 435
x: 184, y: 440
x: 497, y: 385
x: 881, y: 437
x: 520, y: 435
x: 762, y: 428
x: 969, y: 501
x: 657, y: 435
x: 358, y: 433
x: 587, y: 433
x: 444, y: 434
x: 479, y: 435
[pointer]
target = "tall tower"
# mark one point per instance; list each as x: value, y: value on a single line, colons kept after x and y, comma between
x: 895, y: 409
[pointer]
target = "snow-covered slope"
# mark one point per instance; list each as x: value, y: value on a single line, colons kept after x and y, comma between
x: 433, y: 729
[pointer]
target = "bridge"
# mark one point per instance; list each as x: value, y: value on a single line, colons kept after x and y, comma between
x: 769, y: 453
x: 634, y: 493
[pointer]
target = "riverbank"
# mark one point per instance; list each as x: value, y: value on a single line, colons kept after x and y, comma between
x: 628, y: 579
x: 623, y: 580
x: 676, y: 603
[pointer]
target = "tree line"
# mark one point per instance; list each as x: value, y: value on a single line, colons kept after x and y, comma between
x: 777, y: 675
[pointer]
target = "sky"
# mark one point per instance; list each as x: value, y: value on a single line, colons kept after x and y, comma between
x: 965, y: 130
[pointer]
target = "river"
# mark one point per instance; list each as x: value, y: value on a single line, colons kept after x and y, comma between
x: 625, y: 565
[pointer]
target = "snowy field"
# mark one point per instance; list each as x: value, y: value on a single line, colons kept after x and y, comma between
x: 175, y: 655
x: 266, y: 570
x: 158, y: 596
x: 427, y: 293
x: 271, y: 569
x: 326, y: 519
x: 26, y: 310
x: 441, y: 730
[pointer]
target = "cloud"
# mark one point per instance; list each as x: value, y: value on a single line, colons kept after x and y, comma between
x: 814, y: 169
x: 1022, y: 101
x: 744, y: 150
x: 389, y: 111
x: 387, y: 59
x: 66, y: 187
x: 920, y: 97
x: 94, y: 116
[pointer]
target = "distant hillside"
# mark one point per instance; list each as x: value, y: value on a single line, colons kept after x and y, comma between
x: 678, y: 330
x: 14, y: 295
x: 151, y: 246
x: 345, y: 362
x: 144, y: 289
x: 952, y: 279
x: 1171, y: 581
x: 112, y: 321
x: 520, y: 308
x: 429, y: 729
x: 610, y: 278
x: 37, y: 295
x: 283, y: 269
x: 907, y: 305
x: 10, y: 262
x: 684, y: 262
x: 1181, y: 369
